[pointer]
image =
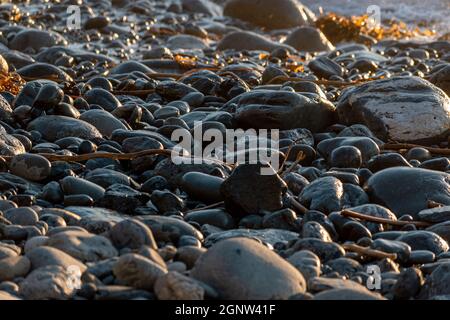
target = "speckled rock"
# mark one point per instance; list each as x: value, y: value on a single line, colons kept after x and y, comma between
x: 9, y: 145
x: 441, y: 79
x: 13, y: 267
x: 323, y: 194
x: 324, y: 250
x: 43, y: 256
x: 394, y: 116
x: 30, y: 166
x: 439, y: 281
x: 50, y: 282
x: 137, y: 271
x: 176, y: 286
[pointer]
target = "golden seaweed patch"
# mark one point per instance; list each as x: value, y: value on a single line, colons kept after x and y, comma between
x: 11, y: 82
x: 339, y: 28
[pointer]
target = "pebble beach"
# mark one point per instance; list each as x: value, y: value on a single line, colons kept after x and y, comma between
x: 348, y: 199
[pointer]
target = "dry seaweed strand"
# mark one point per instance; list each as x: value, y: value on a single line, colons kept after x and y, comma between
x: 211, y: 206
x: 300, y: 156
x: 108, y: 155
x: 365, y: 217
x: 369, y: 252
x: 285, y: 158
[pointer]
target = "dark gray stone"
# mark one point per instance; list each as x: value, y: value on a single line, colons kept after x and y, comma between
x: 235, y: 267
x: 281, y: 110
x: 248, y: 190
x: 323, y: 194
x: 408, y: 190
x: 424, y: 240
x: 53, y: 128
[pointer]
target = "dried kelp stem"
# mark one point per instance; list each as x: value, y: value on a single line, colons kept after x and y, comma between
x: 285, y: 159
x: 108, y: 155
x: 407, y: 146
x: 300, y: 156
x: 211, y: 206
x: 369, y: 252
x: 365, y: 217
x: 297, y: 205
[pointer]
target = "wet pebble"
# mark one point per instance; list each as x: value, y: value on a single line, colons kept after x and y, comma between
x: 424, y: 240
x: 202, y: 186
x: 346, y: 157
x: 248, y: 190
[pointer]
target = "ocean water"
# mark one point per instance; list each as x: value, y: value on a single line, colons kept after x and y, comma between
x: 435, y: 13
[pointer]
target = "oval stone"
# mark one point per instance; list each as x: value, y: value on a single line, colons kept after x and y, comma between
x: 53, y: 128
x: 30, y: 166
x: 408, y: 190
x: 235, y: 267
